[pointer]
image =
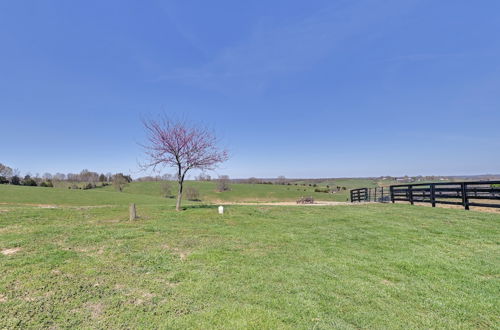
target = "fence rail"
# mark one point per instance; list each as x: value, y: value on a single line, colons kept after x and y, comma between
x: 474, y: 193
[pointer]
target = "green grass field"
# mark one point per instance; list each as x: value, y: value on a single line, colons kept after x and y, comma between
x: 79, y: 263
x: 242, y: 192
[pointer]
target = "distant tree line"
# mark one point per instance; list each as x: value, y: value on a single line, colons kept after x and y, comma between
x: 84, y: 180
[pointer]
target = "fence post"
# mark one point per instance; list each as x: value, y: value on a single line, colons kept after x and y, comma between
x: 465, y: 200
x: 132, y: 212
x: 375, y: 196
x: 391, y: 188
x: 433, y: 194
x: 410, y: 193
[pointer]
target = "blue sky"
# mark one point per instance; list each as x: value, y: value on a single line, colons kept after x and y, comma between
x: 296, y: 88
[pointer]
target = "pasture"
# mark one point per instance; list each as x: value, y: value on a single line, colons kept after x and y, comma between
x: 71, y: 258
x: 243, y: 192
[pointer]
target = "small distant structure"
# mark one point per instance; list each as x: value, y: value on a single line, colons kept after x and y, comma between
x: 306, y: 200
x: 221, y: 209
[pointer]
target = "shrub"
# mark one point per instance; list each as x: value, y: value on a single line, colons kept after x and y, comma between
x: 166, y: 189
x: 3, y: 180
x: 192, y: 194
x: 223, y: 183
x: 322, y: 190
x: 47, y: 184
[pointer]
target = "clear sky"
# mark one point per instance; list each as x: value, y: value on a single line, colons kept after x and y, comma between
x: 297, y: 88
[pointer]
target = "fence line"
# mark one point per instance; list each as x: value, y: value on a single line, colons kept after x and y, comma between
x: 473, y: 193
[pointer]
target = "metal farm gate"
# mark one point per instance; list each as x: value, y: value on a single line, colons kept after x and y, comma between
x: 379, y: 195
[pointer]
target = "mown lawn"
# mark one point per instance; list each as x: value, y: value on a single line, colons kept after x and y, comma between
x: 372, y: 266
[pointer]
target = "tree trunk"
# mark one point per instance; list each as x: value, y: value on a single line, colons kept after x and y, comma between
x: 179, y: 197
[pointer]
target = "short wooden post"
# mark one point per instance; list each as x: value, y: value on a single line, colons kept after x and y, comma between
x: 465, y: 200
x: 433, y: 194
x: 132, y: 212
x: 392, y: 194
x: 410, y: 193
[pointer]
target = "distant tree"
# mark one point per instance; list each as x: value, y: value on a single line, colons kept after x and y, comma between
x: 5, y: 171
x: 59, y: 177
x: 28, y: 181
x: 281, y: 180
x: 47, y: 176
x: 119, y: 181
x: 223, y: 183
x: 183, y: 146
x: 15, y: 180
x: 72, y: 177
x: 253, y: 180
x: 88, y: 176
x: 102, y: 178
x: 203, y: 177
x: 3, y: 180
x: 167, y: 177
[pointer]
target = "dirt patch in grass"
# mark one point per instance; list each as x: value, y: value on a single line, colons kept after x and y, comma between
x: 146, y: 297
x: 108, y: 221
x: 10, y: 229
x: 183, y: 254
x: 95, y: 309
x: 8, y: 252
x: 80, y: 208
x: 3, y: 298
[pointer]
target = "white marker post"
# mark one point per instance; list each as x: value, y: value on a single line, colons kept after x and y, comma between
x: 221, y: 209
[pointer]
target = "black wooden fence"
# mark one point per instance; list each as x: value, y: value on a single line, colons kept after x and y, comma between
x: 480, y: 193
